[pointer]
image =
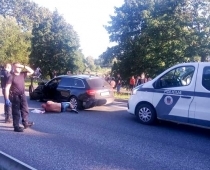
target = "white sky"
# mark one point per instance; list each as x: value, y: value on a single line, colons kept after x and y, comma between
x: 87, y: 18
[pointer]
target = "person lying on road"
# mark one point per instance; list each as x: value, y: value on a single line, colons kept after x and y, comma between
x: 51, y: 106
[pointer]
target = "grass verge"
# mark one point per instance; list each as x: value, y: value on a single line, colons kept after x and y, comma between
x: 124, y: 96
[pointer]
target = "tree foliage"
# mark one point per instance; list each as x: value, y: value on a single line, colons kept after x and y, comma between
x: 90, y: 63
x: 78, y: 63
x: 14, y: 43
x: 26, y: 12
x: 156, y: 34
x: 54, y: 45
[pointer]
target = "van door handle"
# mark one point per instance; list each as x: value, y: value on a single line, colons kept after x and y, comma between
x: 186, y: 97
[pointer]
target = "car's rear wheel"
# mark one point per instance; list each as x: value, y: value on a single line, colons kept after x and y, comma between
x: 146, y: 114
x: 75, y: 102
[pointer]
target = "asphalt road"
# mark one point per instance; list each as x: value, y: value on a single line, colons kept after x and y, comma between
x: 105, y: 138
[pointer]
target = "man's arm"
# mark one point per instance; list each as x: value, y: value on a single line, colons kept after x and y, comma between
x: 7, y: 88
x: 30, y: 71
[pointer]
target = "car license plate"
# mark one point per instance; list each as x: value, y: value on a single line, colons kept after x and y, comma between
x: 105, y: 93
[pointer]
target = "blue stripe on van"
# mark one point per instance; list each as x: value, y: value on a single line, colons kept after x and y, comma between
x: 186, y: 93
x: 164, y: 108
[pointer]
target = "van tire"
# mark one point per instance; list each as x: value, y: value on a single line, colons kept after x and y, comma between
x: 146, y: 114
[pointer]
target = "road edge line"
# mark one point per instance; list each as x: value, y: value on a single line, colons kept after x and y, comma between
x: 8, y: 162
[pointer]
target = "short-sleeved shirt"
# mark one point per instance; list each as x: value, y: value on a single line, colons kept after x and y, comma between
x: 17, y: 83
x: 4, y: 76
x: 118, y: 81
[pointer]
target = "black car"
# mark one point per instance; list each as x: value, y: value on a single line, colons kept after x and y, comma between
x: 83, y: 91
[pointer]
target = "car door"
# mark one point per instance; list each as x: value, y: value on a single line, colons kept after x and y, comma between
x: 71, y: 86
x: 50, y: 89
x: 200, y: 107
x: 174, y: 92
x: 64, y: 88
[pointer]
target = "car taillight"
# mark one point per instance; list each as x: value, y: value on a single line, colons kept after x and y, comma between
x: 91, y: 92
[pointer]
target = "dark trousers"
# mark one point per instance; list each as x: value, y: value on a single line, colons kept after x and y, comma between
x: 7, y: 109
x: 19, y: 105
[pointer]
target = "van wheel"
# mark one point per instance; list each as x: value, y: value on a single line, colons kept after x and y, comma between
x: 146, y: 114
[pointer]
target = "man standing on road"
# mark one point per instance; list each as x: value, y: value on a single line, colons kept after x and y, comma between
x: 15, y: 91
x: 5, y: 73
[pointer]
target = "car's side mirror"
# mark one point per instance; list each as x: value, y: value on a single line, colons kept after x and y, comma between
x: 157, y: 84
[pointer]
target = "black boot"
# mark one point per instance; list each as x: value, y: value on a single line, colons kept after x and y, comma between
x: 18, y: 129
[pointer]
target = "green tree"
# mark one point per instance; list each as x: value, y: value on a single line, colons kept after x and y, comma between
x: 90, y: 63
x: 54, y: 45
x: 153, y: 35
x: 14, y: 43
x: 26, y: 12
x: 78, y: 63
x: 198, y: 15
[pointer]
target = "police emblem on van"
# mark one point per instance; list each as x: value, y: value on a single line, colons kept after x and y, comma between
x: 168, y: 100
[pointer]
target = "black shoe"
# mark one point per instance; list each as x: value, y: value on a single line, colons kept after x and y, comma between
x: 18, y: 129
x: 74, y: 110
x: 28, y: 124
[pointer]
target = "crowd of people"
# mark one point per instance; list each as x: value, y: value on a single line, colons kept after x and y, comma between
x: 117, y: 82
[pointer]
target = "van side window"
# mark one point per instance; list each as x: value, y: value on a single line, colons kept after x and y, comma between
x: 177, y: 77
x: 206, y: 78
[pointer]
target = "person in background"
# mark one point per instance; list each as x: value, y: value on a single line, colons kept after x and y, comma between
x: 15, y: 92
x: 113, y: 83
x: 141, y: 79
x: 69, y: 73
x: 51, y: 106
x: 118, y: 83
x: 5, y: 73
x: 37, y: 72
x: 54, y: 73
x: 132, y: 83
x: 138, y: 82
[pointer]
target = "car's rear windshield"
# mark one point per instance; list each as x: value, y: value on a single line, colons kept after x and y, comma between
x: 97, y: 83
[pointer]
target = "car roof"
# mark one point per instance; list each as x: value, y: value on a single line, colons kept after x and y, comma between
x: 81, y: 76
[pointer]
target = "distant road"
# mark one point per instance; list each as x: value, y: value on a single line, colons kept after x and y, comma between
x: 105, y: 138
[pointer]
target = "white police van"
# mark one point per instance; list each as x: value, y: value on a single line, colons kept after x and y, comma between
x: 180, y: 94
